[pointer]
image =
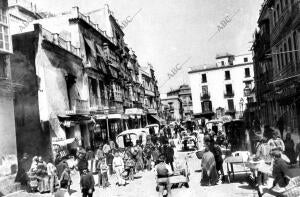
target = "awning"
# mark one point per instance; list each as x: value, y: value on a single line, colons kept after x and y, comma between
x: 64, y: 142
x: 109, y: 116
x: 91, y: 46
x: 155, y: 117
x: 134, y: 111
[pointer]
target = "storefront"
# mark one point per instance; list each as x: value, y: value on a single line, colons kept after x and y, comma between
x: 135, y: 118
x: 108, y: 127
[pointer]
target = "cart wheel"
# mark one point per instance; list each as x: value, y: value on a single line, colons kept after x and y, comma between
x: 157, y: 188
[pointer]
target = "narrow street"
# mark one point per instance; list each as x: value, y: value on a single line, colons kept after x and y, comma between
x: 144, y: 185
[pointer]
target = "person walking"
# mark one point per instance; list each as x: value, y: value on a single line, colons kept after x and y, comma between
x: 169, y: 155
x: 87, y: 183
x: 139, y: 157
x: 51, y: 171
x: 289, y: 149
x: 118, y: 166
x: 103, y: 174
x: 209, y: 172
x: 65, y: 179
x: 90, y: 158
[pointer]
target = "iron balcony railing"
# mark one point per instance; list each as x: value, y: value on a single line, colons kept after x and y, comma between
x: 205, y: 96
x: 228, y: 94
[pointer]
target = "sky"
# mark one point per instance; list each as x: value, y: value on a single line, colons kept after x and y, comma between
x: 167, y: 33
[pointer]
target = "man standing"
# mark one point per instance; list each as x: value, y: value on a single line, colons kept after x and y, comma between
x: 87, y: 184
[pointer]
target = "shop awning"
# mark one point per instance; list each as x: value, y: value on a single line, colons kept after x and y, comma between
x: 157, y: 118
x: 109, y: 116
x: 91, y: 46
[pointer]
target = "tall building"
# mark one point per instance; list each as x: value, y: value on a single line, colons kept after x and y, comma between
x: 8, y: 147
x: 276, y: 62
x: 220, y: 89
x: 84, y: 81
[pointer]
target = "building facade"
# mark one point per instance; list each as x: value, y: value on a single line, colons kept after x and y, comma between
x: 8, y: 145
x: 276, y: 63
x: 87, y: 84
x: 219, y: 89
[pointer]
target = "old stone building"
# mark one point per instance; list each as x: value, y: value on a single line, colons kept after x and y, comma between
x: 276, y: 63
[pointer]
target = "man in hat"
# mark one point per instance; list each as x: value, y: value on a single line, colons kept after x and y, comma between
x: 87, y: 183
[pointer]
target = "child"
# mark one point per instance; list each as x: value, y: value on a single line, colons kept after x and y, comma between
x: 65, y: 178
x: 103, y: 170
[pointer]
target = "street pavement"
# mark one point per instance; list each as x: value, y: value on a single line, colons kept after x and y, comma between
x: 144, y: 185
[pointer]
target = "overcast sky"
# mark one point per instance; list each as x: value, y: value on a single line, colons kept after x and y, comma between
x: 168, y: 32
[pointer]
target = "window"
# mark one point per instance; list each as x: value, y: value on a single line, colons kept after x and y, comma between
x: 230, y: 104
x: 245, y: 59
x: 204, y: 79
x: 285, y: 54
x: 281, y: 60
x: 3, y: 67
x: 274, y: 17
x: 278, y: 61
x: 4, y: 38
x: 277, y: 13
x: 228, y: 88
x: 102, y: 92
x: 248, y: 84
x: 296, y: 46
x: 227, y: 75
x: 290, y: 49
x: 247, y: 72
x: 204, y: 90
x: 3, y: 17
x: 93, y: 90
x: 222, y: 63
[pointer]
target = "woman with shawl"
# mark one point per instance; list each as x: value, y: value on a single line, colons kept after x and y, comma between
x: 209, y: 172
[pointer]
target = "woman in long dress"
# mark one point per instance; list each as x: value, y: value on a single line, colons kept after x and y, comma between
x: 209, y: 172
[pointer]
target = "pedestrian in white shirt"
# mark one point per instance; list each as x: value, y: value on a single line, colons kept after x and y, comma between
x: 118, y: 167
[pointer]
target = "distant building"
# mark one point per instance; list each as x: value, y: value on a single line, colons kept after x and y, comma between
x: 172, y: 108
x: 277, y: 63
x: 21, y: 13
x: 222, y: 88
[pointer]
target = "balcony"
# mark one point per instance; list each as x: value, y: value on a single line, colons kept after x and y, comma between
x: 288, y: 72
x: 286, y: 18
x: 205, y: 96
x: 228, y: 94
x: 79, y: 107
x: 77, y: 14
x: 58, y: 41
x: 230, y: 111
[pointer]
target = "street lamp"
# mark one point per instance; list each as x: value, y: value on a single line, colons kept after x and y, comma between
x: 106, y: 112
x: 241, y: 107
